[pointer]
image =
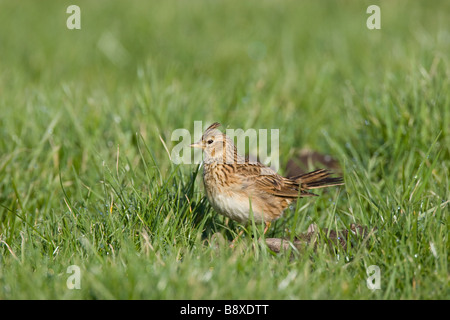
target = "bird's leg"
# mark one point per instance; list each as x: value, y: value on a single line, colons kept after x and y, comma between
x: 237, y: 237
x: 267, y: 223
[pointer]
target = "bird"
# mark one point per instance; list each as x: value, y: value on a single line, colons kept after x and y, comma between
x: 239, y: 188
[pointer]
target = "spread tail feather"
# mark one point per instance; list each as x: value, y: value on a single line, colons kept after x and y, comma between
x: 317, y: 179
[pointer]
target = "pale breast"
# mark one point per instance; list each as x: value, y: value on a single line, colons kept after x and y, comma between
x: 234, y: 207
x: 227, y: 197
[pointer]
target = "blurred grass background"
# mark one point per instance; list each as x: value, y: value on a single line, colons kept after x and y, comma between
x: 85, y: 179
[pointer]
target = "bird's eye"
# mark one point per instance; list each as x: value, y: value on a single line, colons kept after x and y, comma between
x: 210, y: 141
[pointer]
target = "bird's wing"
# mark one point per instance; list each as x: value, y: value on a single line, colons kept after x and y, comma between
x: 264, y: 179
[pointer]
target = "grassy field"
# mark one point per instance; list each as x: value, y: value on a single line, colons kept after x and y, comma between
x: 85, y: 178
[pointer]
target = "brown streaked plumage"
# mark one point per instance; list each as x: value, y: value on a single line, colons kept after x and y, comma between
x: 233, y: 184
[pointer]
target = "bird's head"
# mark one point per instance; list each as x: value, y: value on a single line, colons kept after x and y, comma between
x: 216, y: 145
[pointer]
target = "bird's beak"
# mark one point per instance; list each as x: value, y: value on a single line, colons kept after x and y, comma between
x: 198, y: 144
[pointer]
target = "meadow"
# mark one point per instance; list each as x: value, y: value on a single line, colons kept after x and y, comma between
x: 86, y: 121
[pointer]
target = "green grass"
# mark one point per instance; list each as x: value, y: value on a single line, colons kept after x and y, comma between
x: 85, y: 179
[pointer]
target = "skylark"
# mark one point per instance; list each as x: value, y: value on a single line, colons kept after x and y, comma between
x: 235, y: 186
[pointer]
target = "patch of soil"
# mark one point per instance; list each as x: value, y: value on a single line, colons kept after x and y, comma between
x: 305, y: 160
x: 334, y: 238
